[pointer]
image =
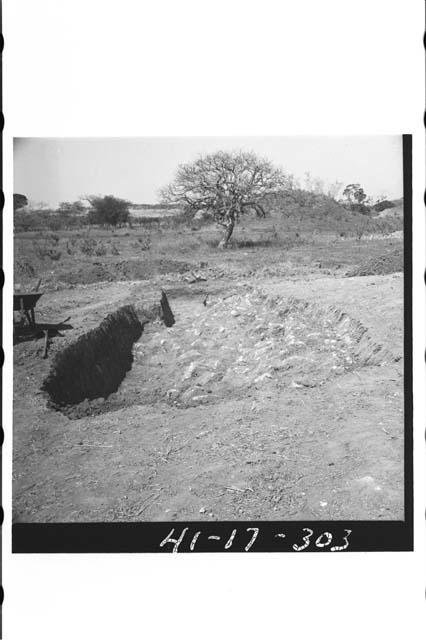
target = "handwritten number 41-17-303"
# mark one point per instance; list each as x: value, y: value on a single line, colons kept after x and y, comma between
x: 323, y: 541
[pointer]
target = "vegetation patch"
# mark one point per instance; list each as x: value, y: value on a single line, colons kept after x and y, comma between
x: 392, y: 262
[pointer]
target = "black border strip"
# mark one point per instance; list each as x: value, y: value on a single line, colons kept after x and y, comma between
x: 408, y: 328
x: 233, y: 536
x: 147, y: 537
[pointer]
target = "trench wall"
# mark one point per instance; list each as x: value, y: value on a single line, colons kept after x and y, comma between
x: 95, y: 364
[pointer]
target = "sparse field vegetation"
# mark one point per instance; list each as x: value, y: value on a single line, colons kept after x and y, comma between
x: 321, y: 231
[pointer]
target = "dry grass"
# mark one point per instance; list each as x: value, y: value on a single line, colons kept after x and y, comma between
x: 74, y: 257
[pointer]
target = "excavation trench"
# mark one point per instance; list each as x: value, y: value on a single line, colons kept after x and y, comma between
x: 216, y: 351
x: 94, y: 366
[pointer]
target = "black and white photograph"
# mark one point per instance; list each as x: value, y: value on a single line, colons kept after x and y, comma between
x: 213, y: 319
x: 208, y: 329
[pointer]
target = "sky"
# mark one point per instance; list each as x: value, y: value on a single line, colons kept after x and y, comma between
x: 54, y: 170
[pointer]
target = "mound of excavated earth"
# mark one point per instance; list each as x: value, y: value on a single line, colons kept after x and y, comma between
x: 391, y: 262
x: 247, y: 340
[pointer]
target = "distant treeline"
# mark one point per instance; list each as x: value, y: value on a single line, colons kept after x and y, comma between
x: 144, y: 207
x: 293, y: 201
x: 315, y: 210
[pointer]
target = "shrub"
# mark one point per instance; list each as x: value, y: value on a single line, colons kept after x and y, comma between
x: 108, y: 210
x: 54, y: 254
x: 359, y: 233
x: 91, y: 247
x: 384, y: 204
x: 24, y: 268
x: 360, y: 208
x: 144, y: 243
x: 100, y: 249
x: 249, y: 243
x: 22, y: 221
x: 53, y: 237
x: 87, y: 246
x: 54, y: 223
x: 44, y: 251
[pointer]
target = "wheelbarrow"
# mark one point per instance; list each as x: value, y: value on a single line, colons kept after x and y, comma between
x: 25, y: 304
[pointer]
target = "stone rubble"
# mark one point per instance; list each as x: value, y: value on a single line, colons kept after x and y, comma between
x: 252, y: 339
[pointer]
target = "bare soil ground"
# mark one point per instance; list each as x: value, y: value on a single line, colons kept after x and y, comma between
x: 297, y: 442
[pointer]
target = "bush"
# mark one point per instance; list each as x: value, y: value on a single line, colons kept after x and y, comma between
x: 42, y: 219
x: 87, y: 246
x: 24, y: 268
x: 360, y: 208
x: 54, y: 254
x: 22, y: 221
x: 54, y: 223
x: 100, y: 249
x: 53, y: 237
x: 44, y: 251
x: 144, y: 243
x: 359, y: 233
x: 108, y: 210
x: 384, y: 204
x: 91, y: 247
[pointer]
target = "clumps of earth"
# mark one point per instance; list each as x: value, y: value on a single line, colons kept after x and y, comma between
x: 278, y: 270
x: 249, y: 340
x: 391, y: 262
x: 124, y: 270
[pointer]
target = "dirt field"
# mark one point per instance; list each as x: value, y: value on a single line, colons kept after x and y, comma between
x: 247, y: 438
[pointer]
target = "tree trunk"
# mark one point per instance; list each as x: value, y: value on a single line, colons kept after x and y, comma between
x: 228, y: 233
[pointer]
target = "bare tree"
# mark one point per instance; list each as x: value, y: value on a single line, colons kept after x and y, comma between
x: 226, y: 185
